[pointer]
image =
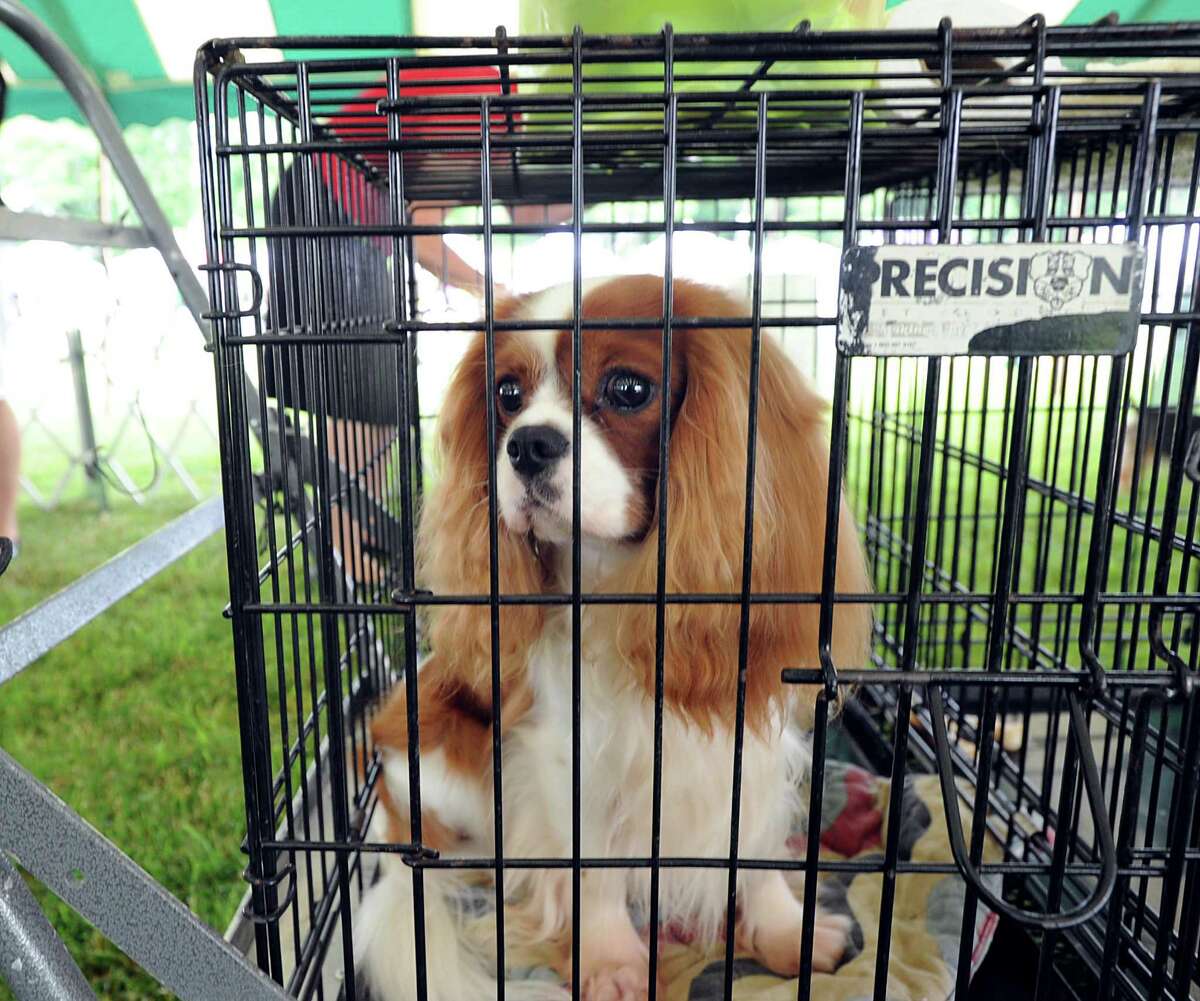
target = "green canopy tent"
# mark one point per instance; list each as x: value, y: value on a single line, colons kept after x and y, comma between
x: 140, y: 51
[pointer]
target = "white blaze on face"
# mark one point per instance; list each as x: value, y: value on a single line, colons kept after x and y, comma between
x: 606, y: 489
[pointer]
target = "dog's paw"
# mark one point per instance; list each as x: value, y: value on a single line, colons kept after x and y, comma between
x: 831, y: 936
x: 617, y: 983
x: 614, y: 962
x: 777, y: 944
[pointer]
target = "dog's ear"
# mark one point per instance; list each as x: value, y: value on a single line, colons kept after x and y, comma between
x: 705, y: 529
x: 454, y: 541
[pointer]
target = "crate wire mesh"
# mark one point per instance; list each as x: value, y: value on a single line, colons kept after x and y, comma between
x: 1030, y: 523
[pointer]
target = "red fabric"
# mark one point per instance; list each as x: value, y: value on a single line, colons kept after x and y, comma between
x: 857, y: 827
x: 428, y: 125
x: 358, y: 118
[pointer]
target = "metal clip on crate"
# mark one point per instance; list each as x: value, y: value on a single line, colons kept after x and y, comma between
x: 262, y: 883
x: 233, y: 268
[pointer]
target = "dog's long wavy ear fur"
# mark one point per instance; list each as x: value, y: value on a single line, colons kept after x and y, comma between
x: 705, y: 521
x: 453, y: 543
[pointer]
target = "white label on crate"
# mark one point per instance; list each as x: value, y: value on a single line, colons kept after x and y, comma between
x: 990, y: 299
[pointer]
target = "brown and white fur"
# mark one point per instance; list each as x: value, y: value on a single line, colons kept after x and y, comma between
x: 709, y: 401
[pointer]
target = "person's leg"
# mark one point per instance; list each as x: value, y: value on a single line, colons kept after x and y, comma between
x: 362, y: 450
x: 10, y: 470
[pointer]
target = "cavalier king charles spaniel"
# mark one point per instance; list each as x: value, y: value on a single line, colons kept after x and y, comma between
x: 708, y: 406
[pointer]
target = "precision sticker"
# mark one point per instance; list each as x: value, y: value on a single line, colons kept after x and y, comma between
x: 990, y: 299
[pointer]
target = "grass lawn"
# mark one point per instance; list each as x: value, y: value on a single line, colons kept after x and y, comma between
x: 133, y: 721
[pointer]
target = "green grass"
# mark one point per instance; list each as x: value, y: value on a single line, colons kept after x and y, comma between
x: 133, y: 721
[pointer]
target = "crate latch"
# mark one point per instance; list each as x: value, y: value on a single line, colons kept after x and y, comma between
x: 233, y: 268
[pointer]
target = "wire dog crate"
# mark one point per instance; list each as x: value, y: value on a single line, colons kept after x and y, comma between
x: 1030, y: 521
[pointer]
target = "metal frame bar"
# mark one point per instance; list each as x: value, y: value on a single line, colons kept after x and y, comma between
x: 80, y: 232
x: 33, y: 960
x: 104, y: 885
x: 155, y: 229
x: 90, y: 99
x: 60, y: 616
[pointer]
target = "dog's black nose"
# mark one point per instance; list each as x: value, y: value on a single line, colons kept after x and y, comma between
x: 532, y: 449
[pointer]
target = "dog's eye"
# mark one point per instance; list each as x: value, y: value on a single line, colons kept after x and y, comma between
x: 508, y: 395
x: 628, y: 391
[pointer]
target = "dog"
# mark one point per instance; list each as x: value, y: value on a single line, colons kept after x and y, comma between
x: 708, y: 406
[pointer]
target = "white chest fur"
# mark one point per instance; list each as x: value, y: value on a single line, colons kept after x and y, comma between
x: 617, y: 789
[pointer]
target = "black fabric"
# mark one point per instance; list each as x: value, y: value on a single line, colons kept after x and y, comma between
x: 1010, y: 968
x: 338, y: 285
